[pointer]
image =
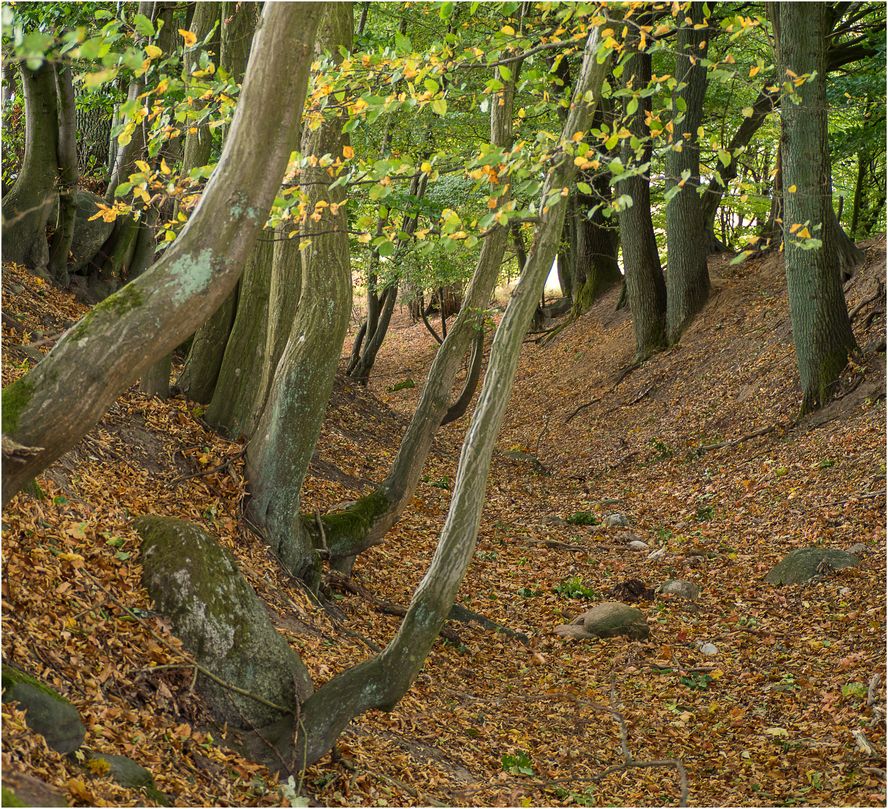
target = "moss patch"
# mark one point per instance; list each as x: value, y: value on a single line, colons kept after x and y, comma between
x: 121, y: 302
x: 15, y: 400
x: 349, y: 526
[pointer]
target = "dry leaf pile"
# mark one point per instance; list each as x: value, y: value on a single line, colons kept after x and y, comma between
x: 789, y: 709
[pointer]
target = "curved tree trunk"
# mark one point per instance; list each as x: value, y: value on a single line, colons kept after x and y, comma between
x: 59, y: 400
x: 365, y: 524
x: 383, y: 680
x: 821, y: 328
x: 458, y: 409
x: 288, y: 429
x: 687, y: 276
x: 68, y: 175
x: 27, y: 206
x: 645, y: 287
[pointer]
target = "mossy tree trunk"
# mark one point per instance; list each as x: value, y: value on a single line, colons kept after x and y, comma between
x: 280, y: 451
x: 27, y: 206
x: 383, y: 680
x: 645, y: 287
x: 353, y: 530
x: 687, y: 277
x: 57, y: 402
x: 820, y: 325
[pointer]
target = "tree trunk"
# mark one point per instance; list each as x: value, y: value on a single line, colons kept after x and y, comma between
x: 687, y: 277
x: 68, y: 175
x: 820, y: 324
x: 858, y: 192
x: 288, y: 429
x: 597, y: 242
x: 199, y: 144
x: 27, y: 206
x: 354, y: 530
x: 382, y: 681
x: 204, y: 362
x: 645, y: 287
x: 59, y: 400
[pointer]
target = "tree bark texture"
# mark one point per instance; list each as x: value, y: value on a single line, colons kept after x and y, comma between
x: 56, y: 403
x: 645, y: 286
x: 383, y: 680
x: 68, y: 175
x: 687, y: 277
x: 199, y: 144
x: 280, y: 451
x: 820, y: 324
x: 26, y: 208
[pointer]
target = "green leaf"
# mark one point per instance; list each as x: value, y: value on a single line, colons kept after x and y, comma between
x: 725, y: 157
x: 144, y: 27
x: 584, y: 188
x: 439, y: 106
x: 748, y: 112
x: 386, y: 248
x: 505, y: 72
x: 431, y: 85
x: 123, y: 189
x: 632, y: 106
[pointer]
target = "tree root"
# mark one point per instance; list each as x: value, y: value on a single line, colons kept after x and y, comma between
x: 734, y: 441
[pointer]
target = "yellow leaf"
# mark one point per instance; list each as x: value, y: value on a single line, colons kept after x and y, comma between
x: 792, y: 189
x: 804, y: 233
x: 754, y: 70
x: 153, y: 51
x: 142, y: 166
x: 794, y: 228
x: 98, y: 766
x: 426, y: 167
x: 164, y: 168
x: 507, y: 30
x: 188, y: 37
x: 348, y: 152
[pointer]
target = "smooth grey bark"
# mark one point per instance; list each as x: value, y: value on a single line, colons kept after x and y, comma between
x: 68, y: 175
x: 26, y: 208
x: 281, y: 448
x: 458, y: 409
x: 645, y: 286
x: 820, y: 325
x: 355, y: 529
x: 55, y: 404
x: 383, y: 680
x: 204, y: 362
x: 687, y: 276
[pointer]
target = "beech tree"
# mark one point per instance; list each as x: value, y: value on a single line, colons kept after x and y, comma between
x: 820, y: 325
x: 110, y: 347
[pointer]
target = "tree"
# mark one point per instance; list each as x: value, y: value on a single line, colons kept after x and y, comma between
x: 820, y: 325
x: 50, y: 408
x: 687, y: 276
x: 281, y: 449
x: 645, y: 287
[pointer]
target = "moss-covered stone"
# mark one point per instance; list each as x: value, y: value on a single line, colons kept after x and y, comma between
x: 9, y: 798
x: 21, y: 789
x: 221, y: 620
x: 16, y: 397
x: 607, y: 620
x: 128, y: 773
x: 46, y: 711
x: 804, y: 564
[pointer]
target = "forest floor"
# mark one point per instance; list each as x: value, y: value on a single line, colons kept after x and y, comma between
x: 768, y: 719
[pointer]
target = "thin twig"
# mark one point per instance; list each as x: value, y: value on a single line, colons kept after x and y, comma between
x: 734, y: 441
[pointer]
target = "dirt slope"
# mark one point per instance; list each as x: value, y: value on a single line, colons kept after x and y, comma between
x: 766, y: 720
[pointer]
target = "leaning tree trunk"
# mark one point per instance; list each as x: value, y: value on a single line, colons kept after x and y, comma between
x: 645, y: 287
x: 50, y: 408
x: 821, y: 328
x: 27, y: 206
x: 68, y: 175
x: 280, y: 451
x: 366, y: 523
x: 687, y: 277
x: 383, y: 680
x: 202, y: 366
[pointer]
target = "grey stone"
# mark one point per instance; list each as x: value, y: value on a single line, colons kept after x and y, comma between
x: 88, y: 236
x: 129, y: 773
x: 859, y: 549
x: 222, y: 622
x: 637, y: 545
x: 616, y: 520
x: 607, y: 620
x: 46, y: 712
x: 656, y: 555
x: 20, y: 789
x: 681, y: 588
x: 708, y: 649
x: 804, y: 564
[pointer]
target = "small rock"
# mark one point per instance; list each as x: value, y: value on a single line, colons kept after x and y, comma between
x: 859, y: 549
x: 128, y: 773
x: 708, y: 649
x: 607, y: 620
x: 653, y: 556
x: 47, y: 712
x: 637, y: 545
x: 804, y: 564
x: 681, y: 588
x: 628, y: 536
x: 20, y: 789
x: 616, y: 520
